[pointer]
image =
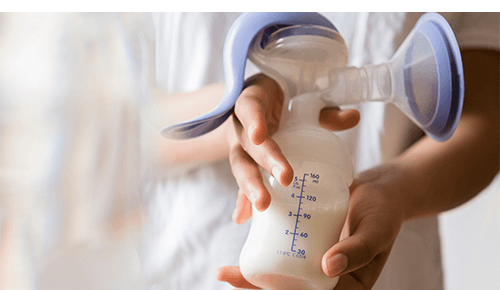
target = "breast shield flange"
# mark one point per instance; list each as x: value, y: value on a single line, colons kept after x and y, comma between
x: 432, y: 76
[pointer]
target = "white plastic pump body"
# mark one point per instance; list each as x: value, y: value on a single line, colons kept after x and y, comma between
x: 287, y: 241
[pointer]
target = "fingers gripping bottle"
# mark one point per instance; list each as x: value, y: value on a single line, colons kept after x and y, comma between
x: 286, y: 242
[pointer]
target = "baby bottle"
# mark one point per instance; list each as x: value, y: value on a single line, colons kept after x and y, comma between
x: 287, y: 241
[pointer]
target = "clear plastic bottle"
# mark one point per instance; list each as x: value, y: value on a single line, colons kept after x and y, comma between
x: 287, y: 241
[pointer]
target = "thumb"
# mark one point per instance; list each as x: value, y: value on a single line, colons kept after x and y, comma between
x: 348, y: 255
x: 335, y: 119
x: 371, y: 236
x: 233, y: 276
x: 362, y: 271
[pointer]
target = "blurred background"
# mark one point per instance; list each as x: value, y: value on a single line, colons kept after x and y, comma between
x: 70, y: 165
x: 72, y: 162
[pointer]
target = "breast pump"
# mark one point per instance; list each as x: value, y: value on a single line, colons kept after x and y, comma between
x: 307, y: 56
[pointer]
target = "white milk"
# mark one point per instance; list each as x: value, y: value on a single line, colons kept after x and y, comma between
x: 271, y: 258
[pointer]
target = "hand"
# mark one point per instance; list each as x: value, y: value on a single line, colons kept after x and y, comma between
x: 256, y: 118
x: 373, y: 222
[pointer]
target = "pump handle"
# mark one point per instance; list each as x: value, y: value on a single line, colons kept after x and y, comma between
x: 237, y: 43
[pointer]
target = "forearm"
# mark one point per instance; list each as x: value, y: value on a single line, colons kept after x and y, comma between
x: 181, y: 107
x: 430, y: 176
x: 440, y: 176
x: 204, y: 149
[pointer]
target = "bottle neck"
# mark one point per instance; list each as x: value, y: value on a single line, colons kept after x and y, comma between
x: 302, y: 110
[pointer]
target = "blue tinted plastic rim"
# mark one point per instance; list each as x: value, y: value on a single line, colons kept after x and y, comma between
x: 450, y: 74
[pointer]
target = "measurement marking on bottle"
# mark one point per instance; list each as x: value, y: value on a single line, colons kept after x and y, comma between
x: 298, y: 212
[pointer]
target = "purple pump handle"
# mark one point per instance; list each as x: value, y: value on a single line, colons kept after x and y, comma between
x: 236, y: 46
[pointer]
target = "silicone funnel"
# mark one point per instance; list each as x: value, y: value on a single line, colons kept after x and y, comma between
x: 424, y: 78
x: 428, y: 77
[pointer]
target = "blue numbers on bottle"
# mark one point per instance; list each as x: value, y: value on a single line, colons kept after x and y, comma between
x: 315, y: 177
x: 296, y: 182
x: 301, y: 252
x: 289, y: 213
x: 303, y: 235
x: 286, y: 232
x: 307, y: 216
x: 311, y: 198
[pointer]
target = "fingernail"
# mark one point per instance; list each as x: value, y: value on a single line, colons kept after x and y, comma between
x: 276, y: 170
x: 236, y: 210
x: 251, y: 129
x: 336, y: 264
x: 235, y: 215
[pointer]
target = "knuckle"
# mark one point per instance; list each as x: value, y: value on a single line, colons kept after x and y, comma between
x: 267, y: 161
x: 253, y: 96
x: 244, y: 168
x: 366, y: 250
x: 236, y: 156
